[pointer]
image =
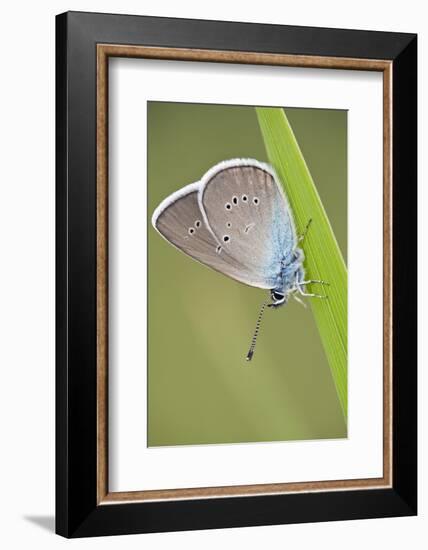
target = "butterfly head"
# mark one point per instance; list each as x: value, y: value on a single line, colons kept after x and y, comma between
x: 278, y: 298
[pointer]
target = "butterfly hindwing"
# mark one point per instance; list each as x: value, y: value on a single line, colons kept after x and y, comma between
x: 180, y: 221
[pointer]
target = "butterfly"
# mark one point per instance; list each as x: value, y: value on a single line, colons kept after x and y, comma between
x: 237, y: 220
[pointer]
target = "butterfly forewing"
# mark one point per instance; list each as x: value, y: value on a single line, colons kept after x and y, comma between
x: 250, y: 217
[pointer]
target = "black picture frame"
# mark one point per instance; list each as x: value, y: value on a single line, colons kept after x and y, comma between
x: 78, y: 513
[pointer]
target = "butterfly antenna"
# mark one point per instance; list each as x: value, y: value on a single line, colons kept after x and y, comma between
x: 256, y: 332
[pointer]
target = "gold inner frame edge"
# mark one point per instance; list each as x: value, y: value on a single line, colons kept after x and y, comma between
x: 104, y: 52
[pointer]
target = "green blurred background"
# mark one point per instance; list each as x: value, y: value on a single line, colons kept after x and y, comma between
x: 200, y: 323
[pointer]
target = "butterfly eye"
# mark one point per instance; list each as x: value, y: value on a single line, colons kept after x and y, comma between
x: 191, y: 230
x: 197, y: 224
x: 244, y: 198
x: 228, y: 206
x: 256, y: 201
x: 235, y: 200
x: 226, y: 238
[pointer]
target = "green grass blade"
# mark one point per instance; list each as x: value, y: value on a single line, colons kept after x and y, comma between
x: 323, y: 257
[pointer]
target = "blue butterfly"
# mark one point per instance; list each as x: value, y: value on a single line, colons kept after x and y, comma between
x: 237, y: 220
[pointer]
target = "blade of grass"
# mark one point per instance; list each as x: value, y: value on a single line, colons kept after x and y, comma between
x: 323, y: 257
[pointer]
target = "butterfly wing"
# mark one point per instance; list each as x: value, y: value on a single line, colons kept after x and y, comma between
x: 249, y: 215
x: 247, y: 241
x: 181, y: 222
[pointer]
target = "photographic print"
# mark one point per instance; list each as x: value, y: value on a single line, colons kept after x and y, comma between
x: 247, y: 280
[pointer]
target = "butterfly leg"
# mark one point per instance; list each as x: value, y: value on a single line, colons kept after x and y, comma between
x: 312, y: 281
x: 299, y: 300
x: 303, y: 235
x: 309, y: 295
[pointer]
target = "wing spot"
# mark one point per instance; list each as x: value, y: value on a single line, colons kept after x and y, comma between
x: 228, y: 206
x: 235, y: 200
x: 226, y: 238
x: 218, y: 249
x: 229, y: 225
x: 244, y: 198
x: 198, y: 224
x: 191, y: 230
x: 256, y: 201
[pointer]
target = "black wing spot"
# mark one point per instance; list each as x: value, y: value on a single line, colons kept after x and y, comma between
x: 218, y: 249
x: 191, y: 230
x: 244, y: 198
x: 256, y: 201
x: 235, y: 200
x: 226, y: 238
x: 229, y: 225
x: 228, y: 206
x: 198, y: 224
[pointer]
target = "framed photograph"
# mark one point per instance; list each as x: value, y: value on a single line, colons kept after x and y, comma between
x: 236, y: 274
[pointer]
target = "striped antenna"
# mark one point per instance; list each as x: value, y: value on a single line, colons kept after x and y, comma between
x: 256, y: 332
